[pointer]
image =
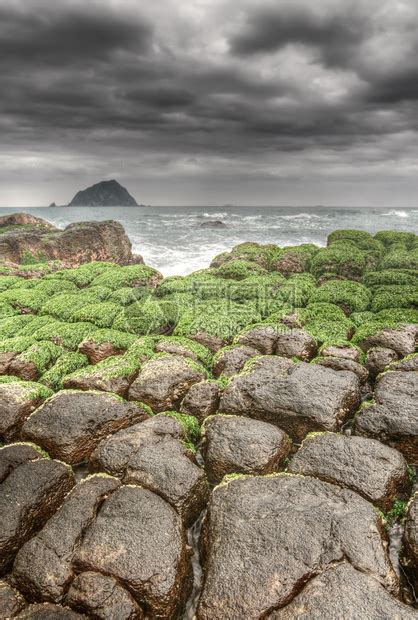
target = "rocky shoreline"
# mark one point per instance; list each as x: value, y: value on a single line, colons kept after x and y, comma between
x: 235, y: 443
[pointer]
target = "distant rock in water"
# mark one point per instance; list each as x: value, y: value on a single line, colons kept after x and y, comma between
x: 104, y: 194
x: 53, y: 204
x: 213, y: 224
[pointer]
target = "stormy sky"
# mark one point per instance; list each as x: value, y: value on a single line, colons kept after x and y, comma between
x: 210, y: 101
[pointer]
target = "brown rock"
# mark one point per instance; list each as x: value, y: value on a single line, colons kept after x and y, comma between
x: 17, y: 401
x: 201, y: 400
x: 5, y: 360
x: 11, y: 601
x: 232, y: 359
x: 97, y: 352
x: 401, y: 340
x: 46, y: 611
x: 334, y: 350
x: 16, y: 454
x: 261, y: 337
x: 407, y: 364
x: 114, y: 375
x: 377, y: 360
x: 342, y: 363
x: 298, y: 344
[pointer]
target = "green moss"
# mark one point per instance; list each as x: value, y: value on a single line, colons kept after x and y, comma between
x: 402, y: 296
x: 113, y: 367
x: 359, y: 318
x: 82, y: 276
x: 100, y: 314
x: 390, y: 237
x: 342, y: 257
x: 7, y: 282
x: 32, y: 326
x: 189, y: 424
x: 396, y: 513
x: 142, y: 349
x: 32, y: 258
x: 11, y: 326
x: 400, y: 315
x: 66, y: 364
x: 68, y: 335
x: 298, y: 289
x: 391, y: 276
x: 372, y: 328
x: 120, y: 340
x: 150, y: 316
x: 351, y: 296
x: 16, y: 345
x: 412, y: 475
x: 31, y: 390
x: 202, y: 353
x: 42, y: 354
x: 101, y: 293
x: 238, y: 270
x: 263, y: 255
x: 64, y: 306
x: 400, y: 258
x: 127, y: 295
x: 132, y: 275
x: 23, y: 299
x: 52, y: 287
x: 7, y: 310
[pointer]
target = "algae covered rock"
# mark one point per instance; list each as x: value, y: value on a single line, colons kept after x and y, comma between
x: 231, y: 360
x: 17, y: 401
x: 201, y: 400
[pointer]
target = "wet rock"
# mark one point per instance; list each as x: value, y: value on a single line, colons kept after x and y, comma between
x: 213, y: 224
x: 29, y: 495
x: 202, y: 400
x: 115, y: 376
x: 410, y: 537
x: 230, y: 361
x: 17, y: 401
x: 145, y: 455
x: 46, y: 611
x: 401, y: 340
x: 298, y: 344
x: 103, y: 598
x: 24, y: 219
x: 43, y: 566
x: 5, y: 360
x: 98, y: 351
x: 264, y: 537
x: 298, y: 398
x: 261, y: 337
x: 138, y: 539
x: 393, y: 417
x: 375, y: 471
x: 344, y: 592
x: 163, y: 382
x: 233, y: 444
x: 378, y: 358
x: 334, y: 350
x: 11, y: 601
x: 16, y: 454
x: 408, y: 364
x: 71, y: 424
x: 342, y: 363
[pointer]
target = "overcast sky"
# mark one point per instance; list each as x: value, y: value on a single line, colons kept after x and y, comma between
x: 210, y: 101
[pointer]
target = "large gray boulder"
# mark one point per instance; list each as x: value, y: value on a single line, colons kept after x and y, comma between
x: 298, y: 398
x: 202, y: 400
x: 17, y: 401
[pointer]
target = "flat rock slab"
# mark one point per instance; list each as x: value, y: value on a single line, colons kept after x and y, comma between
x: 163, y: 382
x: 143, y: 454
x: 202, y: 400
x: 47, y: 611
x: 15, y: 454
x: 344, y: 592
x: 29, y: 496
x: 234, y: 444
x: 102, y: 597
x: 17, y: 401
x: 71, y: 424
x: 298, y: 398
x: 138, y: 539
x: 231, y: 360
x: 264, y: 537
x: 43, y: 566
x: 393, y: 417
x: 375, y: 471
x: 11, y: 601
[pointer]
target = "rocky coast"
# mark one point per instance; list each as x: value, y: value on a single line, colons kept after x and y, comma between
x: 237, y: 443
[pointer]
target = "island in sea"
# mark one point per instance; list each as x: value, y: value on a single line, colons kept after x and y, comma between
x: 104, y: 194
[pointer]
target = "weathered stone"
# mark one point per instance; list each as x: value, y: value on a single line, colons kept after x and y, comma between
x: 98, y: 351
x: 102, y: 597
x: 264, y: 537
x: 116, y: 377
x: 213, y: 343
x: 163, y: 382
x: 24, y: 369
x: 408, y: 364
x: 296, y: 343
x: 234, y: 444
x: 297, y: 398
x: 43, y: 566
x: 378, y: 358
x: 138, y: 539
x: 230, y: 361
x: 175, y: 348
x: 375, y: 471
x: 393, y: 417
x: 143, y: 454
x: 11, y: 601
x: 342, y: 363
x: 47, y: 611
x: 202, y: 400
x: 16, y: 454
x: 261, y: 337
x: 335, y: 350
x: 401, y: 340
x: 71, y: 424
x: 5, y: 360
x: 29, y: 495
x: 17, y: 401
x: 344, y: 592
x: 410, y: 537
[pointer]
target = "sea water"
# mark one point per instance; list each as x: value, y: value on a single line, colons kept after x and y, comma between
x: 173, y: 240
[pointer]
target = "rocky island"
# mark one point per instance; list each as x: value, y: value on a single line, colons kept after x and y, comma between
x: 236, y: 443
x: 104, y: 194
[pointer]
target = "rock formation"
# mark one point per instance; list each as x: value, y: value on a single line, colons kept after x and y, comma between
x: 104, y: 194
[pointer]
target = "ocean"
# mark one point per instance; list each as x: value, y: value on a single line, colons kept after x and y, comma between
x: 173, y: 240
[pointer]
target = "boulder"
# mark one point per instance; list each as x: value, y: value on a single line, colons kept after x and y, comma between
x: 5, y: 361
x: 163, y: 382
x: 138, y: 539
x: 15, y: 454
x: 24, y: 219
x: 17, y: 401
x: 377, y: 360
x: 29, y: 496
x: 146, y: 455
x: 43, y: 566
x: 375, y: 471
x: 264, y: 537
x: 102, y: 597
x: 402, y: 340
x: 71, y: 424
x: 344, y: 592
x: 342, y: 363
x: 407, y: 364
x: 392, y: 418
x: 298, y: 398
x: 234, y: 444
x: 261, y: 337
x: 335, y: 350
x: 115, y: 375
x: 296, y: 343
x: 410, y: 537
x: 11, y: 601
x: 232, y: 359
x: 202, y: 400
x: 46, y: 611
x: 98, y: 351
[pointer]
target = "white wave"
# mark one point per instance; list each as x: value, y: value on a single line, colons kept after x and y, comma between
x: 300, y: 216
x: 396, y: 213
